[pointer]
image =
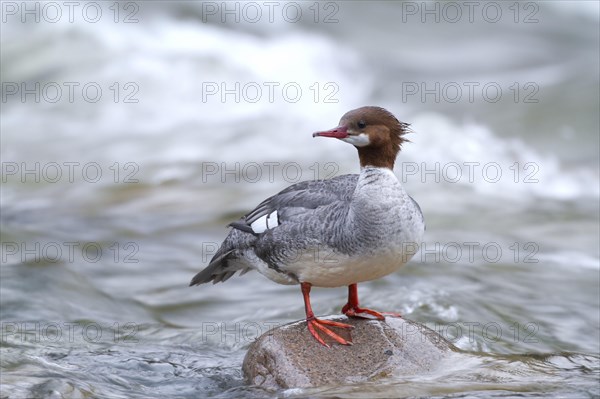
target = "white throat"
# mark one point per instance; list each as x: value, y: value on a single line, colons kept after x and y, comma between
x: 360, y: 140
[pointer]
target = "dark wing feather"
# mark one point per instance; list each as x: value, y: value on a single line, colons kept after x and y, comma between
x: 212, y: 272
x: 307, y: 195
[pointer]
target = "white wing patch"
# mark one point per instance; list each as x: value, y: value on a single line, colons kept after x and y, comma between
x: 265, y: 222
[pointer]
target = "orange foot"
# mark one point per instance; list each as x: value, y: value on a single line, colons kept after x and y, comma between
x: 355, y: 311
x: 351, y: 309
x: 318, y: 327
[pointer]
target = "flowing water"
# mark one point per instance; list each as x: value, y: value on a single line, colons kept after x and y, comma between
x: 133, y: 132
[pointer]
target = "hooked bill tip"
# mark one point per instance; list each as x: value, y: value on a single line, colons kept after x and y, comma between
x: 339, y: 132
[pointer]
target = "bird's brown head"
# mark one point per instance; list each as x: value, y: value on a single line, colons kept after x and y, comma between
x: 374, y: 131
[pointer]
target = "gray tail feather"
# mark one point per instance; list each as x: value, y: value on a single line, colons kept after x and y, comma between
x: 217, y: 271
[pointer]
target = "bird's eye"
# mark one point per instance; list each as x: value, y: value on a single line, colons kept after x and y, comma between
x: 362, y: 125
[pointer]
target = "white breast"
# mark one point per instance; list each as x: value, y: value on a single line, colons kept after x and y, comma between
x: 331, y: 269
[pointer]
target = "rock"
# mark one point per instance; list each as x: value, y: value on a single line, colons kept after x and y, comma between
x: 289, y: 357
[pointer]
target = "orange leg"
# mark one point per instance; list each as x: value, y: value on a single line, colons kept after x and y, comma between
x: 351, y: 309
x: 317, y: 326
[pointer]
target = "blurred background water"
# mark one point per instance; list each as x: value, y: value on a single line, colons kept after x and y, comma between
x: 133, y: 132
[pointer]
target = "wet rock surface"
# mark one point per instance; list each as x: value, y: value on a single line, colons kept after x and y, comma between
x: 289, y: 357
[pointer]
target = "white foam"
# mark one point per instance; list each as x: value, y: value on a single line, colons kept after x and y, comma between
x: 526, y: 174
x: 570, y: 258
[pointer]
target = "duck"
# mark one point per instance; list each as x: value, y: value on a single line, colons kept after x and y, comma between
x: 335, y: 232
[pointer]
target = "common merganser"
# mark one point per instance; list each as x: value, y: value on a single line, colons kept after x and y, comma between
x: 335, y: 232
